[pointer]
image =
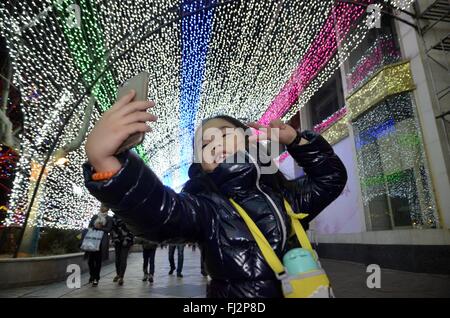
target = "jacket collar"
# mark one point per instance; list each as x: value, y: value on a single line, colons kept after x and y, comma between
x: 233, y: 178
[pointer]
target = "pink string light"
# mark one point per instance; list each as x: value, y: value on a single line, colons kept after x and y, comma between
x: 324, y: 46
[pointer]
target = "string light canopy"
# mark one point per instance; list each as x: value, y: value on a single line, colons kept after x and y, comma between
x: 204, y: 57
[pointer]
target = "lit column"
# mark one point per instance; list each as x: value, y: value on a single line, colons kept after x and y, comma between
x: 30, y: 239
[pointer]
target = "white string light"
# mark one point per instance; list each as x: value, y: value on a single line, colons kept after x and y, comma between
x: 254, y: 47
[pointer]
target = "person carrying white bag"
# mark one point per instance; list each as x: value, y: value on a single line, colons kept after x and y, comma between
x: 96, y: 243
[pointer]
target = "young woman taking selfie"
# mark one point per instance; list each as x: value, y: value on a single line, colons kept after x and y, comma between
x: 203, y: 212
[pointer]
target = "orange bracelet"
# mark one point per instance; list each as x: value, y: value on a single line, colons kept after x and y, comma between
x: 101, y: 176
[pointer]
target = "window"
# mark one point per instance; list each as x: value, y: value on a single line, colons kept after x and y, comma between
x: 394, y: 180
x: 327, y: 100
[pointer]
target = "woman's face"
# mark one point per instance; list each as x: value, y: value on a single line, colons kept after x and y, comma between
x: 219, y: 139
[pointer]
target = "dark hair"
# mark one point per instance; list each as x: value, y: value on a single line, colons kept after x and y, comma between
x: 277, y: 181
x: 236, y: 122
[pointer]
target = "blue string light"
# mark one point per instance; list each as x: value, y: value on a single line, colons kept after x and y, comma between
x: 375, y: 133
x: 196, y: 33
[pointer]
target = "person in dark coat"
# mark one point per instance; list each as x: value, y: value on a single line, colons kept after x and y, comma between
x: 202, y: 263
x: 122, y: 239
x: 148, y: 255
x: 103, y: 222
x: 202, y: 211
x: 180, y: 259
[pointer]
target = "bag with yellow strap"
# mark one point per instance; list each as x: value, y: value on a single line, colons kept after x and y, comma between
x: 302, y: 275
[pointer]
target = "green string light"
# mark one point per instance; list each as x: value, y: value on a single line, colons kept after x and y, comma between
x: 86, y: 45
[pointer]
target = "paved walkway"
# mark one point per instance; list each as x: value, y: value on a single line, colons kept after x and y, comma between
x: 348, y: 279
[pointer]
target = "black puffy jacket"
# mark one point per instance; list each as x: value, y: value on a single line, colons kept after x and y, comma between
x: 232, y: 257
x: 121, y: 236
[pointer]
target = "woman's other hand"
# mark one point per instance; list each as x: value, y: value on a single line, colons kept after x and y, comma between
x: 277, y: 131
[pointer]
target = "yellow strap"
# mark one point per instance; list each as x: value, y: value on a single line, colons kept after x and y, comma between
x: 298, y: 228
x: 267, y: 250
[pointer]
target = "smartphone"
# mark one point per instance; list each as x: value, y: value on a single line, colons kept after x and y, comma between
x: 139, y: 84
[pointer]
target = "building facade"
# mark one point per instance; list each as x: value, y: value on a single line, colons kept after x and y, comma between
x: 383, y: 113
